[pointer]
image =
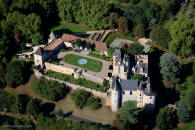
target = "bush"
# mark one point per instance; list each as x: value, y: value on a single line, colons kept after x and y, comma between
x: 93, y: 103
x: 18, y: 73
x: 137, y: 77
x: 82, y: 98
x: 50, y: 90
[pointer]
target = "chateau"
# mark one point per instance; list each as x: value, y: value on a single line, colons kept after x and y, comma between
x: 123, y: 89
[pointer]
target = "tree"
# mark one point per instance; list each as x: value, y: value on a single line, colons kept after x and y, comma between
x: 18, y: 73
x: 161, y: 36
x: 78, y: 42
x: 135, y: 49
x: 139, y: 31
x: 170, y: 68
x: 60, y: 113
x: 191, y: 101
x: 80, y: 98
x: 183, y: 112
x: 183, y: 37
x: 137, y: 77
x: 129, y: 112
x: 113, y: 20
x: 166, y: 118
x: 123, y: 27
x: 88, y: 46
x: 33, y: 107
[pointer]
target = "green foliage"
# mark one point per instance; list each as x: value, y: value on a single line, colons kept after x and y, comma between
x: 113, y: 20
x: 60, y: 113
x: 80, y: 81
x: 183, y: 37
x: 191, y: 101
x: 129, y: 112
x: 78, y: 42
x: 137, y: 77
x: 183, y: 112
x: 85, y: 11
x: 13, y: 103
x: 170, y: 68
x: 50, y: 90
x: 82, y: 98
x: 33, y: 107
x: 139, y: 31
x: 135, y: 49
x: 123, y: 27
x: 48, y: 123
x: 29, y: 26
x: 166, y: 118
x: 106, y: 82
x: 18, y: 73
x: 161, y: 36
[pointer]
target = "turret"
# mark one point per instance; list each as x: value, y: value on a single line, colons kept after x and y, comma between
x: 115, y: 94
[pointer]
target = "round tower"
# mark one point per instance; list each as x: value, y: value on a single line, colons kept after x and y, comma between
x: 115, y: 94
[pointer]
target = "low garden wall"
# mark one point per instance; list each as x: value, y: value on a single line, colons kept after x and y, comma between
x: 73, y: 86
x: 60, y: 69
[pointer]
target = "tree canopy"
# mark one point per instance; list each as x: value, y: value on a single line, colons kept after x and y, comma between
x: 183, y: 37
x: 129, y: 112
x: 161, y: 36
x: 170, y: 68
x: 166, y: 118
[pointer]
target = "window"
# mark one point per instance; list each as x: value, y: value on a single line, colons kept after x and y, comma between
x: 123, y: 92
x: 37, y: 60
x: 130, y: 92
x: 140, y: 94
x: 140, y: 98
x: 150, y: 97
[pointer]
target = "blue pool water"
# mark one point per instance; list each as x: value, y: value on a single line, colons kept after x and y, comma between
x: 82, y: 61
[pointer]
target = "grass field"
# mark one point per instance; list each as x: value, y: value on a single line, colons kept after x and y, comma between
x: 112, y: 36
x: 70, y: 28
x: 103, y: 115
x: 92, y: 65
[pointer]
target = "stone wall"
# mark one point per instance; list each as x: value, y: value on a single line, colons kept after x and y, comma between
x: 60, y: 69
x: 92, y: 78
x: 73, y: 86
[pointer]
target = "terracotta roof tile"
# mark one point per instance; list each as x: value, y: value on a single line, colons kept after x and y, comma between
x: 55, y: 43
x: 98, y: 45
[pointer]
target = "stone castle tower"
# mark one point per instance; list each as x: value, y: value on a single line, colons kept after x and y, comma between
x: 115, y: 95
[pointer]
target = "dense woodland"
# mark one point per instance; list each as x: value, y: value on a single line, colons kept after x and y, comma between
x: 169, y: 23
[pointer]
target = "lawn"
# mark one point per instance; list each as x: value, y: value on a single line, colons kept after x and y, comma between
x: 70, y: 28
x: 103, y: 115
x: 92, y: 65
x: 113, y: 35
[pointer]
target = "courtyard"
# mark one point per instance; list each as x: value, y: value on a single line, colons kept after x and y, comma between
x: 94, y: 66
x: 83, y: 62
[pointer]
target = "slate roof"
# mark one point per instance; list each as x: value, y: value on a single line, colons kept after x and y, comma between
x: 115, y: 84
x: 131, y: 85
x: 55, y: 43
x: 117, y: 53
x: 98, y: 45
x: 142, y: 65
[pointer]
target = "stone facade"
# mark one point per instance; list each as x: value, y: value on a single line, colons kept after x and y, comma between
x: 59, y: 69
x: 124, y: 89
